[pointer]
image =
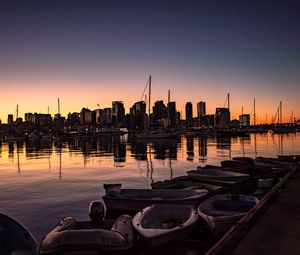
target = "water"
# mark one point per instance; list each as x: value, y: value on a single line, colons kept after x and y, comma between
x: 41, y: 183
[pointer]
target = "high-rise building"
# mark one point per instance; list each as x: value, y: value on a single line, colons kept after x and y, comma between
x: 201, y: 109
x: 172, y: 115
x: 244, y: 120
x: 160, y: 113
x: 29, y: 117
x: 106, y: 117
x: 74, y: 118
x: 222, y: 117
x: 118, y: 113
x: 138, y: 116
x: 10, y: 119
x: 85, y: 117
x: 189, y: 114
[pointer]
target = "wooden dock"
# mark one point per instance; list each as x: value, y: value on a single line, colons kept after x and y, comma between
x: 272, y: 228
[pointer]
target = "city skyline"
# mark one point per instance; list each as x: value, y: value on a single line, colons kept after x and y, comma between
x: 101, y: 51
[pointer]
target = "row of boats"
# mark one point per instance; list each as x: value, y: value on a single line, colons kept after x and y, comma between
x: 196, y: 209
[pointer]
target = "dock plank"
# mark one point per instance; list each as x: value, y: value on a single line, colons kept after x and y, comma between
x: 277, y: 231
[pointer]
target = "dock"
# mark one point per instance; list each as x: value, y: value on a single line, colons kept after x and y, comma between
x: 271, y: 229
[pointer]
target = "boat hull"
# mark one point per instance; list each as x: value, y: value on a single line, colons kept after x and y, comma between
x: 134, y: 200
x: 160, y: 224
x: 221, y: 212
x: 72, y: 237
x: 15, y: 238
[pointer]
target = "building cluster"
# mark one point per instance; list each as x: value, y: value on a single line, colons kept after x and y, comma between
x: 221, y: 118
x: 162, y: 115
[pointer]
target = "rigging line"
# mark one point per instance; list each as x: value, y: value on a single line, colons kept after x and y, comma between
x: 225, y: 102
x: 147, y: 83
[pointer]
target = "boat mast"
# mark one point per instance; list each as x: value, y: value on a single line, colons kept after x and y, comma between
x: 168, y: 108
x: 228, y: 101
x: 17, y: 112
x: 149, y: 106
x: 58, y: 105
x: 280, y: 107
x: 254, y: 114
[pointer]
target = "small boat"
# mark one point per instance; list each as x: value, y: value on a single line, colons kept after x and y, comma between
x: 221, y: 212
x: 134, y: 200
x: 159, y: 224
x: 272, y: 162
x: 248, y: 160
x: 244, y: 167
x: 218, y: 174
x: 98, y: 236
x: 184, y: 182
x: 15, y: 238
x: 235, y: 164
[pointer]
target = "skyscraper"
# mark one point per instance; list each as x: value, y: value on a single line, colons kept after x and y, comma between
x: 201, y: 109
x: 118, y: 113
x: 189, y: 114
x: 222, y: 117
x: 172, y: 114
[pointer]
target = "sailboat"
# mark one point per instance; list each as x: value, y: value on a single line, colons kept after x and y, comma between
x: 155, y: 134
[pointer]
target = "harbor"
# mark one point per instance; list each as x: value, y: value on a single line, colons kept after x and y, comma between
x: 149, y: 127
x: 159, y: 163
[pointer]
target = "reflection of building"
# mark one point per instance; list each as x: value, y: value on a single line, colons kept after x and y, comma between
x: 244, y: 120
x: 222, y: 117
x: 138, y: 116
x: 190, y: 148
x: 189, y: 114
x: 118, y: 113
x: 202, y: 143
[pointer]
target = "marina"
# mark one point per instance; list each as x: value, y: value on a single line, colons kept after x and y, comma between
x: 62, y: 178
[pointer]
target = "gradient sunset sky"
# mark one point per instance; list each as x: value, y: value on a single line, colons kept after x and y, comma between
x: 95, y: 52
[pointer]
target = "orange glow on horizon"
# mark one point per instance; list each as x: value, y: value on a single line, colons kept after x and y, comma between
x: 75, y: 94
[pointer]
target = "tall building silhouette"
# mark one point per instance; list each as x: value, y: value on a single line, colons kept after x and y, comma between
x: 222, y: 117
x: 118, y: 113
x: 189, y: 114
x: 201, y: 109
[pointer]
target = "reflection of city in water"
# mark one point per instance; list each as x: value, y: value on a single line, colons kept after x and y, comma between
x: 118, y: 150
x: 44, y: 181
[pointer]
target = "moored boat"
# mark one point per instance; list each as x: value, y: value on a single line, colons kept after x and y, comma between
x: 159, y: 224
x: 184, y: 182
x: 15, y: 238
x: 134, y: 200
x: 98, y: 236
x: 221, y: 212
x: 217, y: 174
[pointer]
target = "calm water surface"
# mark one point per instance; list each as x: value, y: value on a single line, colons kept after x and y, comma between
x: 41, y: 183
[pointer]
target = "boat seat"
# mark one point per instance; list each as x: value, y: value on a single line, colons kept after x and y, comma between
x: 218, y: 213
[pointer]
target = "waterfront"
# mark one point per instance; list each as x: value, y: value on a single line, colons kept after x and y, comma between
x: 46, y: 181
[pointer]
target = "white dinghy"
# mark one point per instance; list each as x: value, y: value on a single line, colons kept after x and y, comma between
x: 159, y: 224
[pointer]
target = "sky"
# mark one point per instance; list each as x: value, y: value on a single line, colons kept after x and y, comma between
x: 90, y: 53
